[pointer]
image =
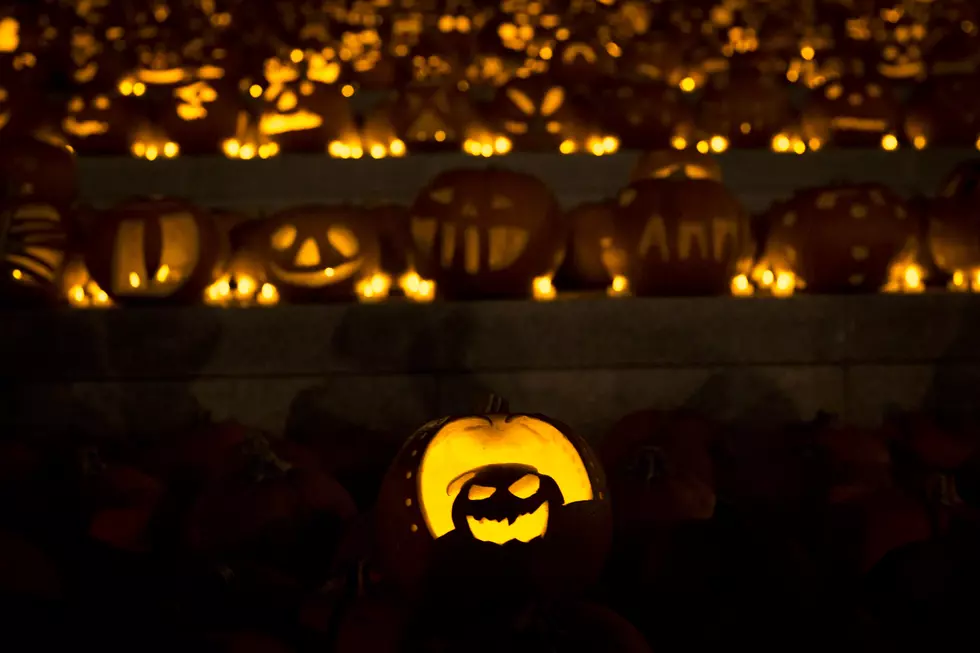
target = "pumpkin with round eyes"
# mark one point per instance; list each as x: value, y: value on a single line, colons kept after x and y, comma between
x: 153, y: 251
x: 486, y: 233
x: 33, y: 245
x: 844, y: 238
x: 680, y: 236
x: 534, y: 114
x: 747, y: 112
x: 499, y: 496
x: 853, y: 112
x: 317, y: 253
x: 644, y: 116
x: 901, y: 53
x: 954, y: 227
x: 944, y: 112
x: 98, y: 124
x: 431, y: 118
x: 689, y: 164
x: 588, y: 264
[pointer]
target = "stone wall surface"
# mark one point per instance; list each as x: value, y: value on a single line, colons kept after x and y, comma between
x: 383, y: 369
x: 758, y: 178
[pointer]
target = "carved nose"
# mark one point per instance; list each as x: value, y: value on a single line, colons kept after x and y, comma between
x: 855, y: 99
x: 308, y: 255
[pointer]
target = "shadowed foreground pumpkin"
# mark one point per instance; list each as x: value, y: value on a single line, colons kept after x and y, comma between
x: 382, y: 626
x: 591, y: 227
x: 510, y: 501
x: 659, y: 469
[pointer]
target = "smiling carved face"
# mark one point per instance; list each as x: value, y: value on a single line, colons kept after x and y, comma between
x: 318, y: 248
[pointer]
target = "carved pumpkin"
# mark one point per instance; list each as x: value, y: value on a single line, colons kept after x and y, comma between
x: 943, y: 112
x: 839, y: 239
x: 680, y: 236
x: 660, y: 164
x: 954, y: 227
x: 202, y: 115
x: 33, y: 242
x: 431, y: 118
x: 952, y: 45
x: 98, y: 124
x: 299, y: 115
x: 580, y: 60
x: 645, y: 116
x: 317, y: 253
x: 901, y: 41
x: 150, y: 251
x: 534, y: 114
x: 501, y: 497
x: 853, y: 112
x: 39, y: 167
x: 587, y: 265
x: 747, y: 112
x: 486, y: 233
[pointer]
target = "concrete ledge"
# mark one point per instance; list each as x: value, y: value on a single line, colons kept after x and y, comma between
x: 758, y: 177
x: 493, y: 337
x: 383, y: 369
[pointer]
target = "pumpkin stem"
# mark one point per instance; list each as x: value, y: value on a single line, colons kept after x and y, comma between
x: 496, y: 405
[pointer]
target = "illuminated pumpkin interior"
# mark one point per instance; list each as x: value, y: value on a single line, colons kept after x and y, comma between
x: 462, y: 448
x: 179, y: 253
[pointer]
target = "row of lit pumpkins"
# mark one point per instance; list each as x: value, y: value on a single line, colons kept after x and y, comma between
x: 495, y: 233
x: 531, y: 115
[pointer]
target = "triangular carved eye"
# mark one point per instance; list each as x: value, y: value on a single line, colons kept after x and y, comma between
x: 442, y: 195
x: 501, y: 203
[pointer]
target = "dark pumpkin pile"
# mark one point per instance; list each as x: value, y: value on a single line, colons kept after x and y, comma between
x: 675, y: 534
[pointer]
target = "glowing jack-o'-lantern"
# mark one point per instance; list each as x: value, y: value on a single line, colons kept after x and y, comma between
x: 97, y: 125
x: 954, y: 228
x: 201, y: 115
x: 320, y: 253
x: 487, y: 233
x: 500, y: 490
x: 152, y: 251
x: 681, y: 236
x: 745, y: 113
x: 431, y: 118
x: 534, y: 115
x: 299, y: 115
x: 944, y: 112
x: 842, y: 239
x: 661, y: 164
x: 645, y: 116
x: 32, y: 251
x: 853, y: 112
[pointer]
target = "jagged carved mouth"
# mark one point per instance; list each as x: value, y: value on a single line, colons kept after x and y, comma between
x: 522, y: 528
